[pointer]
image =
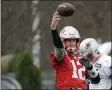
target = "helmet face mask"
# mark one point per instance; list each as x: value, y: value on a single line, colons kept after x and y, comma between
x: 71, y: 45
x: 90, y: 57
x: 70, y: 38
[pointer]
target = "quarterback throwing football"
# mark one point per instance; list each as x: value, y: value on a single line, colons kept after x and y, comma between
x: 70, y: 74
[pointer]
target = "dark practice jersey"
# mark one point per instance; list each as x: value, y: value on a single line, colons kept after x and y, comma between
x: 69, y: 72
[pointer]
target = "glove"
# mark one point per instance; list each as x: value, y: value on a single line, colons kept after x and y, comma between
x: 85, y: 62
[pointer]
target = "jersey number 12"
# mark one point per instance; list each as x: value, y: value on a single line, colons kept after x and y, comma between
x: 80, y: 71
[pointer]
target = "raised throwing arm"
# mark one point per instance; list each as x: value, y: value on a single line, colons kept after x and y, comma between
x: 59, y: 49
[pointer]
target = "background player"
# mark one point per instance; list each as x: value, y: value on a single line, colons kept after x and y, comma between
x: 102, y: 62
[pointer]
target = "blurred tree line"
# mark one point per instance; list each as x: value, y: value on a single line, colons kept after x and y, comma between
x: 27, y: 74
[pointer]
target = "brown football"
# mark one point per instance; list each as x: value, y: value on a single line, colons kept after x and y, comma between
x: 66, y: 9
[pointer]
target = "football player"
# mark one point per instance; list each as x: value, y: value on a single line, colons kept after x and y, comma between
x: 102, y: 62
x: 70, y: 74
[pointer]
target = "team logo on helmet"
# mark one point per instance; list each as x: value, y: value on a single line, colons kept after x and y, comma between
x: 88, y: 45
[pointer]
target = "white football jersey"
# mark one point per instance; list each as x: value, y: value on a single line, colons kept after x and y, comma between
x: 103, y: 65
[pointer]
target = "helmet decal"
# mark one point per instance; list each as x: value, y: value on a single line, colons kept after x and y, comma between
x: 88, y: 45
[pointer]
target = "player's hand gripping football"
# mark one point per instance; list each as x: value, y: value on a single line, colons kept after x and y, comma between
x: 85, y: 62
x: 55, y: 20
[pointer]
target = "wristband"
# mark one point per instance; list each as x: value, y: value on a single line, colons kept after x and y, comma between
x: 93, y: 73
x: 53, y: 27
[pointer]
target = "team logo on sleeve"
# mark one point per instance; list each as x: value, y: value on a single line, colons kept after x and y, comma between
x: 93, y: 73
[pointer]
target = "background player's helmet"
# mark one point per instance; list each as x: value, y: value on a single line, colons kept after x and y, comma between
x: 90, y: 48
x: 106, y: 48
x: 10, y: 82
x: 69, y: 32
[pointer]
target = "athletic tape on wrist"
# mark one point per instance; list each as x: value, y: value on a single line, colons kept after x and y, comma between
x: 93, y: 73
